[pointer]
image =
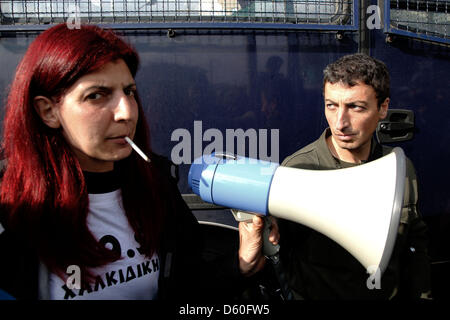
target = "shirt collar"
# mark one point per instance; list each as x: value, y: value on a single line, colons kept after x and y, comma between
x: 376, y: 150
x: 102, y: 182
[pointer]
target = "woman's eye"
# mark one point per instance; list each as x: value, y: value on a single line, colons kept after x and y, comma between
x: 94, y: 96
x: 130, y: 92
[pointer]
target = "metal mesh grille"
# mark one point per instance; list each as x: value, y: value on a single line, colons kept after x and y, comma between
x: 336, y: 12
x: 429, y: 18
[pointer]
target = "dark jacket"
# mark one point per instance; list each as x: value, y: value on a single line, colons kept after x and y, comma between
x: 184, y: 272
x: 319, y: 268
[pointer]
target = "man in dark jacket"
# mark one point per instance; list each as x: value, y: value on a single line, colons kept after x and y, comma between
x: 356, y: 95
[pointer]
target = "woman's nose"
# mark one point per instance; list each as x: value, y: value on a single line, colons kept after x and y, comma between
x: 124, y: 109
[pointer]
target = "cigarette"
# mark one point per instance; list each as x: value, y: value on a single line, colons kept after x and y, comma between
x: 136, y: 148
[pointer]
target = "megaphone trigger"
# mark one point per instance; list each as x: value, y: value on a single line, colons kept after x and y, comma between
x: 242, y: 216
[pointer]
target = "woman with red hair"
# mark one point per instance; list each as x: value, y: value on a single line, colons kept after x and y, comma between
x: 75, y: 199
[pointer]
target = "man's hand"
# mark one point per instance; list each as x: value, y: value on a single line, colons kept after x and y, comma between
x: 251, y: 259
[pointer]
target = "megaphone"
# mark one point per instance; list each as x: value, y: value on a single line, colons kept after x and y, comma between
x: 357, y: 207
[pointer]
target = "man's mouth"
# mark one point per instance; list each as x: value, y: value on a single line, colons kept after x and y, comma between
x: 344, y: 137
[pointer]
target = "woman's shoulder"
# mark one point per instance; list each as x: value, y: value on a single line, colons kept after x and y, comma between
x: 165, y: 166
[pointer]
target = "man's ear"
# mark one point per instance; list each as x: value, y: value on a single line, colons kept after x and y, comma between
x: 46, y: 109
x: 384, y: 108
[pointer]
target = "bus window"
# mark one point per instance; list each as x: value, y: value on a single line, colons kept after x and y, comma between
x: 140, y: 11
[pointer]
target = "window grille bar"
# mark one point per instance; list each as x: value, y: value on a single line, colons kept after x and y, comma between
x: 293, y: 14
x: 421, y: 19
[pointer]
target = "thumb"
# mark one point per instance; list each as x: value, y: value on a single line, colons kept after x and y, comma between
x: 258, y: 222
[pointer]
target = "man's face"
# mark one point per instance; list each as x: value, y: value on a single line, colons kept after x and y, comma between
x: 352, y: 114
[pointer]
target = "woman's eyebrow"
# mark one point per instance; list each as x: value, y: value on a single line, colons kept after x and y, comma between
x: 100, y: 87
x: 133, y: 84
x: 106, y: 87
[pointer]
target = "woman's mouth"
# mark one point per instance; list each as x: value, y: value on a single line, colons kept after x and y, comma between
x: 118, y: 139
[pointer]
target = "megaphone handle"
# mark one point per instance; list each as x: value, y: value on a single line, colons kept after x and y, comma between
x: 269, y: 249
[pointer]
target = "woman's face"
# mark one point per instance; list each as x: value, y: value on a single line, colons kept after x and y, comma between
x: 97, y: 113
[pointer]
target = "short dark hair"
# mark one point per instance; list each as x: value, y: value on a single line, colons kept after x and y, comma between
x: 360, y: 67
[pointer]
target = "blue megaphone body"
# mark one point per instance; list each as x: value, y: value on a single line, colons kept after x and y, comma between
x: 233, y: 181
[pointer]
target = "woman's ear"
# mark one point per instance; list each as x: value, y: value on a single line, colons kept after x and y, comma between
x: 46, y: 109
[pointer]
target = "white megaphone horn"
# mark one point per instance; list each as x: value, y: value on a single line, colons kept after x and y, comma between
x: 358, y: 207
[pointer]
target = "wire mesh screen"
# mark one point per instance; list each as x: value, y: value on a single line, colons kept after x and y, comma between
x: 335, y: 12
x: 429, y: 18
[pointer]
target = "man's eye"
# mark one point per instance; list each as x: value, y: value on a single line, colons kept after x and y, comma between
x: 357, y: 108
x: 330, y: 106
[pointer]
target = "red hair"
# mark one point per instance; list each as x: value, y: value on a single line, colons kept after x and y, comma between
x: 43, y: 190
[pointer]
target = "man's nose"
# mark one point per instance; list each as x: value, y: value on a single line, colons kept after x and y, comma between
x: 342, y: 120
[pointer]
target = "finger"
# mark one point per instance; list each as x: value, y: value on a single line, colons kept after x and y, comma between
x: 274, y: 239
x: 258, y: 222
x: 244, y: 226
x: 274, y: 235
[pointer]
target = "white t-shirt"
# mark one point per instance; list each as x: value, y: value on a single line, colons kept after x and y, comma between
x: 134, y: 277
